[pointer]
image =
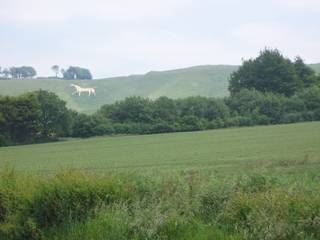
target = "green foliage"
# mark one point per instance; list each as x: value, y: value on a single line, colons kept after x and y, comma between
x: 77, y: 73
x: 136, y: 115
x: 55, y: 118
x: 19, y: 117
x: 46, y: 116
x: 179, y: 205
x: 271, y: 72
x: 22, y: 72
x: 32, y: 117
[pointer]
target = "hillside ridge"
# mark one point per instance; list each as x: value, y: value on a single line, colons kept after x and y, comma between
x: 202, y: 80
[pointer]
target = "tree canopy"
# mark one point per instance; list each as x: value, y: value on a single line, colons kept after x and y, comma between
x: 272, y: 72
x: 22, y: 72
x: 76, y: 73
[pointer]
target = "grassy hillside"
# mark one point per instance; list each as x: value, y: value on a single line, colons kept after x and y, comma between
x: 210, y: 80
x: 316, y: 67
x: 201, y: 80
x: 226, y: 149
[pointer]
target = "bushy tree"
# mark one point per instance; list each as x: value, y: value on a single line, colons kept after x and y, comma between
x: 76, y: 73
x: 55, y: 118
x: 55, y: 69
x: 132, y: 109
x: 22, y: 72
x: 192, y: 106
x: 20, y: 117
x: 91, y: 125
x: 217, y: 109
x: 310, y: 97
x: 271, y: 72
x: 164, y: 109
x: 260, y: 108
x: 6, y: 72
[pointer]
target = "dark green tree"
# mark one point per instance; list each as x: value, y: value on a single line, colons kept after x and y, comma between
x: 22, y: 72
x: 305, y: 73
x: 55, y: 69
x: 6, y: 72
x: 269, y: 72
x: 132, y: 109
x: 55, y: 118
x: 164, y: 109
x: 20, y: 117
x: 77, y: 73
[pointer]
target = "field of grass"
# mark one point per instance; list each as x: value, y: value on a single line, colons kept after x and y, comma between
x: 201, y: 80
x: 242, y: 183
x: 228, y: 149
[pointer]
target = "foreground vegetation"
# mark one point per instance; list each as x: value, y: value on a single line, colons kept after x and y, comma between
x: 184, y: 205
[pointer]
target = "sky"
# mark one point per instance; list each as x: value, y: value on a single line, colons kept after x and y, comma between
x: 122, y: 37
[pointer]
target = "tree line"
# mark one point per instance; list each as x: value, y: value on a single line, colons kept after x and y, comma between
x: 73, y: 72
x: 42, y: 116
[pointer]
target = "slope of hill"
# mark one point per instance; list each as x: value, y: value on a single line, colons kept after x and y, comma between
x: 210, y: 80
x: 316, y: 67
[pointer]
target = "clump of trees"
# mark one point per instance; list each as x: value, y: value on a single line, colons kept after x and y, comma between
x: 272, y: 72
x: 29, y: 72
x: 33, y: 117
x: 18, y: 72
x: 76, y: 73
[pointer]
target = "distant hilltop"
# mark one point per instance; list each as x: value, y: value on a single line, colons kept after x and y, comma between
x: 207, y: 80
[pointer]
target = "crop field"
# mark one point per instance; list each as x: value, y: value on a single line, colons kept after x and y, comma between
x: 225, y: 149
x: 241, y: 183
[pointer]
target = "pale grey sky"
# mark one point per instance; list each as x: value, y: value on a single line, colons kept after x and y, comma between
x: 120, y: 37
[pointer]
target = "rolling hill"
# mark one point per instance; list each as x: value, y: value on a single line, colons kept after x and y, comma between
x: 208, y: 80
x: 315, y: 67
x: 200, y: 80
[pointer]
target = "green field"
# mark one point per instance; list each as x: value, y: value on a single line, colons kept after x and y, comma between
x: 225, y: 149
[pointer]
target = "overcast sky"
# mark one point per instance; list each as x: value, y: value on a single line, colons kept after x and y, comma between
x: 121, y: 37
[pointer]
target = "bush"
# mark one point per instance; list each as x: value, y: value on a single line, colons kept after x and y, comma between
x: 3, y: 141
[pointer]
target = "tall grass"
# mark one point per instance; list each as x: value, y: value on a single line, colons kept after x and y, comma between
x: 180, y: 205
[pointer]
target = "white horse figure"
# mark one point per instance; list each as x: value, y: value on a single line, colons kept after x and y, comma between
x: 79, y: 90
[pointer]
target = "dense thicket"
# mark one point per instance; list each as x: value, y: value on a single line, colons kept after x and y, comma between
x: 272, y: 72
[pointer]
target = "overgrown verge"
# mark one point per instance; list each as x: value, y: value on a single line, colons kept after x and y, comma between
x: 187, y: 205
